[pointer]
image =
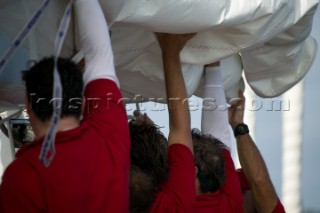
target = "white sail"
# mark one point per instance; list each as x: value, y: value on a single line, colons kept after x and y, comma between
x: 276, y: 30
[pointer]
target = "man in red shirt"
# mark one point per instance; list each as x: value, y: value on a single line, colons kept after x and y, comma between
x: 167, y: 168
x: 258, y: 191
x: 218, y: 187
x: 215, y: 122
x: 90, y: 170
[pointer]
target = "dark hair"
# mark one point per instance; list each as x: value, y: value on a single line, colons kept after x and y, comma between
x: 39, y: 88
x: 149, y: 149
x: 142, y: 192
x: 209, y: 159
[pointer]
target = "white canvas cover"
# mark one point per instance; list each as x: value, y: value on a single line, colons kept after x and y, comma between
x: 272, y: 37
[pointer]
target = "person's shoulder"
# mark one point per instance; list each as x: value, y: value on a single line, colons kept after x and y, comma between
x: 17, y: 165
x: 227, y: 155
x: 180, y: 154
x: 179, y: 148
x: 103, y: 95
x: 102, y: 83
x: 17, y: 173
x: 279, y: 208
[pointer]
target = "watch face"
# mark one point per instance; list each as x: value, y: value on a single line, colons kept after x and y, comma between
x: 241, y: 129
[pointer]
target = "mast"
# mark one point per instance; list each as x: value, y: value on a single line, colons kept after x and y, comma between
x: 292, y: 144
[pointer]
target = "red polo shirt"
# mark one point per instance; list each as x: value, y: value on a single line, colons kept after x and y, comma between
x: 228, y: 198
x: 178, y: 193
x: 90, y: 170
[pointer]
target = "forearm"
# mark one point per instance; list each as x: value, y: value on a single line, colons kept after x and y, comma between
x: 255, y: 170
x: 214, y: 119
x: 178, y: 107
x: 94, y: 41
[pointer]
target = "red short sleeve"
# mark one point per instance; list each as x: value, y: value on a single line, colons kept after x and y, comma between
x: 178, y: 193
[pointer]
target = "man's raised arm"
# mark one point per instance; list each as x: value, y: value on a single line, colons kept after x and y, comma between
x: 264, y: 195
x: 179, y: 115
x: 94, y: 41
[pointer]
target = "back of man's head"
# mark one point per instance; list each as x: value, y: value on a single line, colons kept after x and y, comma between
x: 39, y: 88
x: 149, y: 164
x: 209, y: 159
x: 149, y: 150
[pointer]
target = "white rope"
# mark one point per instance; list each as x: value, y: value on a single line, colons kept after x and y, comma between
x: 48, y: 148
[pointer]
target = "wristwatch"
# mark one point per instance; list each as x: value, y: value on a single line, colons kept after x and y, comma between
x: 241, y: 129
